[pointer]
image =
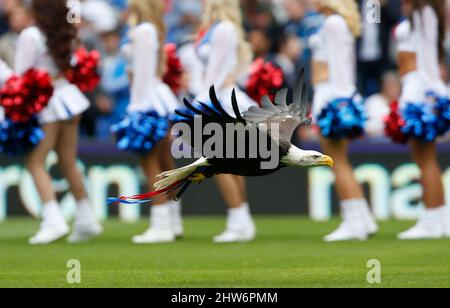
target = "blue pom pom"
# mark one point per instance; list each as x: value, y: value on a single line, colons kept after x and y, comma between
x: 342, y: 118
x: 19, y: 138
x: 443, y: 115
x: 420, y: 122
x: 140, y: 131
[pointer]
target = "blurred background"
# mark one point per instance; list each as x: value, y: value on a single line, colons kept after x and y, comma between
x: 278, y: 31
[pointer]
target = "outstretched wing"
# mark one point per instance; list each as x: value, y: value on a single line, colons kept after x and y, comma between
x: 210, y: 113
x: 288, y: 117
x: 199, y: 115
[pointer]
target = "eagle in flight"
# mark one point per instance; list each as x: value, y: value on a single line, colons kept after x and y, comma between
x: 273, y: 123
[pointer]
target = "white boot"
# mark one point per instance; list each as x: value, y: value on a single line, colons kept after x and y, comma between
x: 447, y: 221
x: 160, y: 230
x: 354, y: 226
x: 430, y: 226
x: 53, y: 226
x: 240, y: 226
x: 177, y: 220
x: 86, y: 225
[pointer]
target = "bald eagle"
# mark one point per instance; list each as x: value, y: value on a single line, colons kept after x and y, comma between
x: 258, y: 121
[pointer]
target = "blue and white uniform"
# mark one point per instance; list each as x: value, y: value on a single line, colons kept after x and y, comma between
x: 152, y: 101
x: 424, y: 102
x: 67, y: 101
x: 148, y: 92
x: 413, y: 87
x: 337, y: 107
x: 423, y: 41
x: 218, y: 52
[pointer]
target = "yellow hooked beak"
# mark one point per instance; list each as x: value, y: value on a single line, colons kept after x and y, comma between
x: 327, y: 161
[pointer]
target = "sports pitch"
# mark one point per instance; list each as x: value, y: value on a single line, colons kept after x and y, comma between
x: 288, y: 252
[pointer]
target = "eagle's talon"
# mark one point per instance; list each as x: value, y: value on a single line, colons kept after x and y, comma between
x: 198, y: 177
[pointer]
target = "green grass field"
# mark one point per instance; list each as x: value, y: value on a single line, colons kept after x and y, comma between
x: 288, y: 253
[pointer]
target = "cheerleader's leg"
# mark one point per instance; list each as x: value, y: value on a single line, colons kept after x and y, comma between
x: 86, y: 225
x: 231, y: 190
x: 430, y: 224
x: 240, y: 226
x: 243, y: 186
x: 161, y: 226
x: 53, y: 226
x: 151, y: 166
x: 425, y: 156
x: 347, y: 186
x: 66, y: 148
x: 168, y: 163
x: 35, y: 162
x: 358, y: 222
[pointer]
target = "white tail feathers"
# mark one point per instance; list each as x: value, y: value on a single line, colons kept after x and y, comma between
x: 169, y: 178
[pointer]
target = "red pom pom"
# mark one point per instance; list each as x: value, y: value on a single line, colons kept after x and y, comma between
x: 265, y: 79
x: 394, y: 123
x: 85, y: 72
x: 173, y: 74
x: 24, y: 96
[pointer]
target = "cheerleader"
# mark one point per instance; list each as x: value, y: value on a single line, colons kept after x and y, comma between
x: 338, y: 112
x: 225, y: 55
x: 420, y: 48
x: 49, y: 46
x: 145, y: 129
